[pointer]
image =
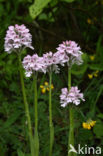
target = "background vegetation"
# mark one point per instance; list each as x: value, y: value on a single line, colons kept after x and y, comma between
x: 50, y: 22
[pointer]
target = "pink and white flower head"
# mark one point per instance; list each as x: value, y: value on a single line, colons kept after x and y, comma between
x: 33, y: 64
x: 73, y: 96
x: 17, y: 37
x: 61, y: 57
x: 51, y: 62
x: 70, y: 52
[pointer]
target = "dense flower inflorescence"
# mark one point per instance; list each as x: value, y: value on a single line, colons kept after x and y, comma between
x: 33, y: 64
x: 51, y: 62
x: 17, y: 37
x: 73, y: 96
x: 61, y: 57
x: 69, y: 52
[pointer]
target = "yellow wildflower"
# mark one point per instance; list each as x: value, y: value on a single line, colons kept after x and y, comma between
x: 43, y: 90
x: 46, y: 87
x: 96, y: 73
x: 46, y: 83
x: 92, y: 123
x: 41, y: 86
x: 84, y: 125
x: 90, y: 76
x: 52, y: 87
x: 93, y: 74
x: 89, y: 124
x: 92, y: 57
x: 89, y: 21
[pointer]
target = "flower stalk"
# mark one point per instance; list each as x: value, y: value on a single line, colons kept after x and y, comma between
x: 71, y: 119
x: 26, y: 106
x: 36, y: 137
x: 50, y: 116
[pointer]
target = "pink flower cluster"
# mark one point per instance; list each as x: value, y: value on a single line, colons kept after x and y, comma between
x: 73, y: 96
x: 33, y: 64
x: 17, y: 37
x: 51, y: 62
x: 47, y: 63
x: 70, y: 52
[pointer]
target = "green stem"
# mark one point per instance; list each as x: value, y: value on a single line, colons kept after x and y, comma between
x: 50, y: 116
x: 26, y: 106
x: 71, y: 119
x: 71, y: 130
x: 69, y: 78
x: 36, y: 137
x: 35, y: 103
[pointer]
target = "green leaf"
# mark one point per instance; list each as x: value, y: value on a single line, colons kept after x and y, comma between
x: 96, y: 67
x: 98, y: 46
x: 2, y: 0
x: 68, y: 1
x: 86, y: 135
x: 1, y: 9
x: 20, y: 153
x: 100, y: 115
x: 98, y: 130
x: 54, y: 3
x: 10, y: 121
x: 43, y: 16
x: 2, y: 150
x: 36, y: 8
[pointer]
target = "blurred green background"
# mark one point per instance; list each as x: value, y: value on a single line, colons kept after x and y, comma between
x: 51, y: 22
